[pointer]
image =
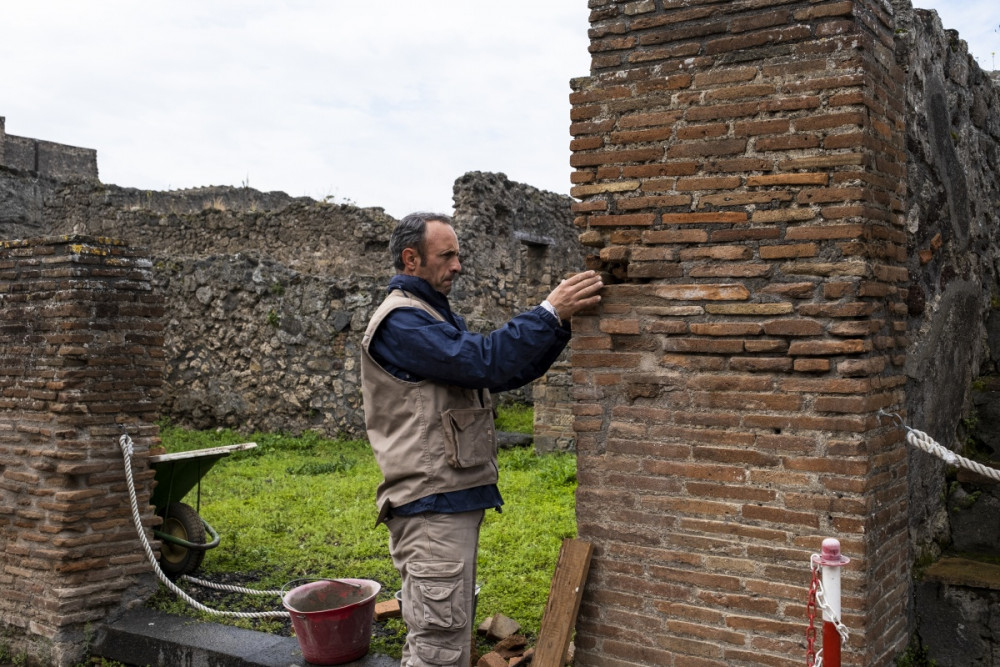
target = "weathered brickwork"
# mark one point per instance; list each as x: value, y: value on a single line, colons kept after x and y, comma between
x: 740, y: 171
x: 80, y: 354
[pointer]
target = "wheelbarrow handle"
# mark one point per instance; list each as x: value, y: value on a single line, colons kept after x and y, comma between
x: 166, y: 537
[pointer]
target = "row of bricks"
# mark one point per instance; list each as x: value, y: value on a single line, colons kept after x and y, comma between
x: 867, y: 231
x: 641, y: 14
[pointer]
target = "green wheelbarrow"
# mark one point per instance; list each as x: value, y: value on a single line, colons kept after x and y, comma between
x: 183, y: 534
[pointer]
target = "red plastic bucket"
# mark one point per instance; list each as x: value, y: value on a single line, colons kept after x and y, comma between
x: 332, y: 618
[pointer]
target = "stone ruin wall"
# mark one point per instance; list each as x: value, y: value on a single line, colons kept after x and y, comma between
x: 46, y: 158
x: 268, y: 295
x: 953, y: 250
x: 952, y: 221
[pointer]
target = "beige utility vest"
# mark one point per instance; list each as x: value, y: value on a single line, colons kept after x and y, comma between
x: 427, y: 437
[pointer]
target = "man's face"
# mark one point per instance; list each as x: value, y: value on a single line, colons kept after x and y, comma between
x: 439, y: 264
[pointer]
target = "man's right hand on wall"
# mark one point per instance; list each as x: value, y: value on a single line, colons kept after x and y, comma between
x: 577, y: 292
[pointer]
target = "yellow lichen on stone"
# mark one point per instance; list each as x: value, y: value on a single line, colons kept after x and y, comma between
x: 81, y: 249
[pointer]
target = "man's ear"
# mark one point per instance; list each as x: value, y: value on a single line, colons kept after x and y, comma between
x: 410, y: 259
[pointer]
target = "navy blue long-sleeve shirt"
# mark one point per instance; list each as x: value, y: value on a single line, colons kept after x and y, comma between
x: 414, y: 346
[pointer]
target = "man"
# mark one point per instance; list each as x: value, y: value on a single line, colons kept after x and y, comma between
x: 426, y: 383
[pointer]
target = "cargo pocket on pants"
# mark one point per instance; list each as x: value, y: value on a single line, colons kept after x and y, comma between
x: 436, y: 594
x: 429, y: 654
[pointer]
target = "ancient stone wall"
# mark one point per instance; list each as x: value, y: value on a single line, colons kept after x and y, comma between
x: 952, y: 392
x: 255, y: 345
x: 304, y: 234
x: 47, y: 158
x: 517, y: 243
x: 80, y: 357
x: 267, y: 295
x: 953, y: 143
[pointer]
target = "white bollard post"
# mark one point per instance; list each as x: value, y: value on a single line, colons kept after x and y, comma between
x: 831, y: 560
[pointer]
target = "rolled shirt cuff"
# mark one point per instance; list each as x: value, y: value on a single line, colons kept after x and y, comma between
x: 551, y: 310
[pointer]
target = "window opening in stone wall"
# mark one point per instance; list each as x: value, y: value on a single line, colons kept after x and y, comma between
x: 535, y: 264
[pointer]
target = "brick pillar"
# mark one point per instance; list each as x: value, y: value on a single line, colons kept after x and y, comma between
x: 739, y: 169
x: 80, y: 353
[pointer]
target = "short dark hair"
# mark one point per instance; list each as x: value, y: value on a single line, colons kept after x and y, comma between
x: 411, y: 232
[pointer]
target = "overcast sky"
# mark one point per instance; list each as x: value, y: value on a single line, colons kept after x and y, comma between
x: 376, y: 103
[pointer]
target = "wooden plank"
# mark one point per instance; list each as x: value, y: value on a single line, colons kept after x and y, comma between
x: 559, y: 618
x: 209, y: 453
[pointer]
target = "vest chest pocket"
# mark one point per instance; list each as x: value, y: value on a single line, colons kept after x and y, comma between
x: 469, y: 438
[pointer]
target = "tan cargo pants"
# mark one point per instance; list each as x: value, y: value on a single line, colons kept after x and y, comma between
x: 436, y: 557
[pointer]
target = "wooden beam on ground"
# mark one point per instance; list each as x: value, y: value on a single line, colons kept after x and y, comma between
x: 559, y: 618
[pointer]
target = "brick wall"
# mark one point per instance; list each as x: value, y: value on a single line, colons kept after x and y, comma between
x: 738, y: 168
x: 80, y: 353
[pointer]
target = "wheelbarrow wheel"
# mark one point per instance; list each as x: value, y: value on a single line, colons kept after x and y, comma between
x: 181, y: 521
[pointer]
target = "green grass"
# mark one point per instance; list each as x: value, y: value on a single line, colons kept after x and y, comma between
x: 515, y: 418
x: 300, y: 507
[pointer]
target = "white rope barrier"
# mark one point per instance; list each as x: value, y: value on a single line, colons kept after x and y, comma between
x: 127, y: 446
x: 228, y: 587
x: 924, y: 442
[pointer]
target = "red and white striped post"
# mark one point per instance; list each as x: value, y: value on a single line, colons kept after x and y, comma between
x: 831, y: 560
